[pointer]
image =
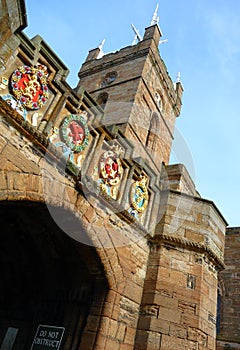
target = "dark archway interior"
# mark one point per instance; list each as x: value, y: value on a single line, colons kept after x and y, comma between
x: 46, y: 277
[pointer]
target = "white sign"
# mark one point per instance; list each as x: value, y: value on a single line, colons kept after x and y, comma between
x: 47, y: 337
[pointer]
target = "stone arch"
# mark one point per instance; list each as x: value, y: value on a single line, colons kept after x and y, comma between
x: 159, y: 100
x: 109, y: 78
x: 102, y: 99
x: 53, y: 189
x: 153, y: 132
x: 55, y: 192
x: 47, y: 277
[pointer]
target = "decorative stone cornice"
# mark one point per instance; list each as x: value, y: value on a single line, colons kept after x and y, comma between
x: 92, y: 188
x: 174, y: 240
x: 34, y: 135
x: 107, y: 61
x: 22, y: 125
x: 86, y: 185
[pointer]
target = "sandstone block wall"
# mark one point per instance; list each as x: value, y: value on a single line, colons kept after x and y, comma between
x: 229, y: 289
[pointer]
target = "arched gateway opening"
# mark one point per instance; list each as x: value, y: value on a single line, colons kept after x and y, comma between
x: 47, y: 278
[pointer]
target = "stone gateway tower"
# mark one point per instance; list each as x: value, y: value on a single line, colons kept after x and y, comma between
x: 137, y: 95
x: 104, y: 245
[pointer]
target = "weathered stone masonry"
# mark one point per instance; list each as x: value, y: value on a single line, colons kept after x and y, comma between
x: 78, y: 254
x: 228, y: 293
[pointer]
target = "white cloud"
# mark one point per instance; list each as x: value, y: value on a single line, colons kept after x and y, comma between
x: 223, y: 38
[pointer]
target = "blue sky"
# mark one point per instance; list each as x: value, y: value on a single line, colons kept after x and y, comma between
x: 203, y: 44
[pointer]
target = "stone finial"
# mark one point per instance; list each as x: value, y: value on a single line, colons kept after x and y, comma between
x: 137, y: 37
x: 155, y: 18
x: 178, y: 85
x: 179, y: 91
x: 101, y: 53
x: 178, y: 80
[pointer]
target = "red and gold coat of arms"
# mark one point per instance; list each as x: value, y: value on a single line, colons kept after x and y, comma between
x: 111, y: 168
x: 29, y: 86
